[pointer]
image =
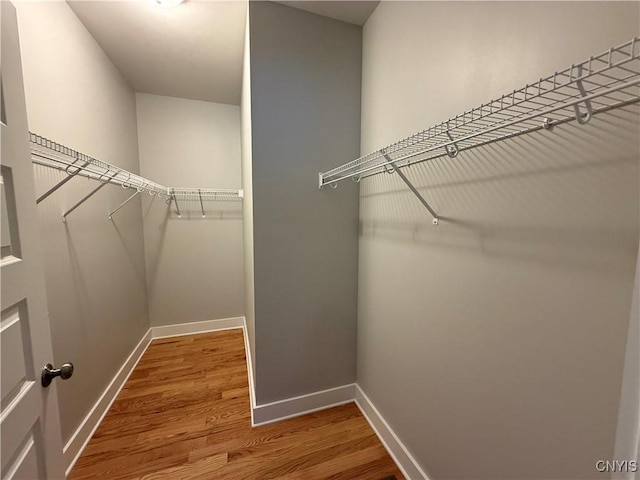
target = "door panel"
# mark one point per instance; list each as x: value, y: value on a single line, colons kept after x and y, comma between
x: 30, y: 439
x: 14, y: 339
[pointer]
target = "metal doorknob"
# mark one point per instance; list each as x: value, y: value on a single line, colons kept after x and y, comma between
x: 49, y: 373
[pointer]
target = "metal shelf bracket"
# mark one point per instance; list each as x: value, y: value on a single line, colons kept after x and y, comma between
x: 123, y: 204
x: 201, y: 204
x: 63, y: 181
x: 394, y: 168
x: 87, y: 196
x: 175, y: 201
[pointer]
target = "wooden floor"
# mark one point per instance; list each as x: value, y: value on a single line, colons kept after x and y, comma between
x: 184, y: 414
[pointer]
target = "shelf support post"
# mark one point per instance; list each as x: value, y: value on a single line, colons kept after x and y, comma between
x: 123, y: 204
x: 86, y: 197
x: 201, y: 204
x: 62, y: 182
x: 175, y: 200
x: 413, y: 189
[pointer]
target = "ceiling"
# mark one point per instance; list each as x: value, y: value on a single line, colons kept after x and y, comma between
x: 356, y: 12
x: 191, y: 51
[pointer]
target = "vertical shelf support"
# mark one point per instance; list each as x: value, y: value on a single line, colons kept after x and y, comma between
x: 394, y: 168
x: 175, y: 201
x: 201, y: 204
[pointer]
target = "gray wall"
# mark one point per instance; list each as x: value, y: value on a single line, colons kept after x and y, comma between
x: 305, y: 105
x: 493, y: 344
x: 247, y: 184
x: 94, y: 268
x: 194, y: 264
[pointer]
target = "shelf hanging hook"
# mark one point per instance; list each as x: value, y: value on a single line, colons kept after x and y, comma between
x: 452, y: 150
x: 78, y: 168
x: 582, y: 119
x: 105, y: 175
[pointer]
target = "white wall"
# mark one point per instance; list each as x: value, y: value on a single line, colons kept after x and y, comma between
x: 94, y: 268
x: 494, y: 343
x: 247, y: 184
x: 194, y: 264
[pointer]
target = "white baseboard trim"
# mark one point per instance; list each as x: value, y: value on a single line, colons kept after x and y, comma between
x: 80, y: 438
x: 296, y: 406
x: 251, y: 379
x: 87, y: 428
x: 403, y: 458
x: 164, y: 331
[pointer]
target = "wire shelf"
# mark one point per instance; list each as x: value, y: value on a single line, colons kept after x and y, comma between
x: 51, y: 154
x: 598, y: 84
x: 205, y: 193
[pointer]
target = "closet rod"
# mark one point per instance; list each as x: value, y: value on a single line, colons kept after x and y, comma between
x: 598, y: 84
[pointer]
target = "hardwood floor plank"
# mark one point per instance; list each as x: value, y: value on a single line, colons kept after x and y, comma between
x: 185, y: 414
x: 203, y: 469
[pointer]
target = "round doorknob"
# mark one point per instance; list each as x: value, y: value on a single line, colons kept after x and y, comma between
x: 49, y: 373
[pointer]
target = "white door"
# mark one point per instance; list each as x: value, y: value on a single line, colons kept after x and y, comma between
x: 31, y: 443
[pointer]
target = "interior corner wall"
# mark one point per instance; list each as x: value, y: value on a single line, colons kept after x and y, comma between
x: 305, y: 111
x: 628, y: 430
x: 247, y: 185
x: 94, y: 268
x: 193, y: 264
x: 494, y: 343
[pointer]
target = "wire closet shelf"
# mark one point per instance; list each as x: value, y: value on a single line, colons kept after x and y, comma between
x: 51, y: 154
x: 598, y: 84
x: 205, y: 193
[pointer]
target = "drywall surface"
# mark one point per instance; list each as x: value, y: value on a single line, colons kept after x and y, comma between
x: 94, y: 267
x: 247, y: 185
x: 194, y: 264
x: 305, y: 110
x: 628, y: 430
x: 494, y: 343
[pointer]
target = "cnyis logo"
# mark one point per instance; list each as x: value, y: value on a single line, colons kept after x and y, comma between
x: 617, y: 466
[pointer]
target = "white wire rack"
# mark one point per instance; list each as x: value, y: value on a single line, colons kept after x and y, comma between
x: 202, y: 195
x: 51, y: 154
x: 598, y: 84
x: 205, y: 193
